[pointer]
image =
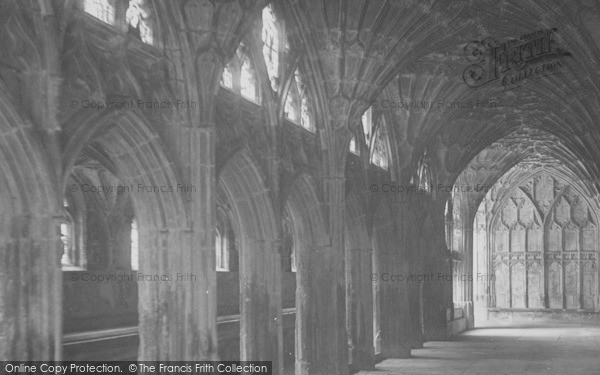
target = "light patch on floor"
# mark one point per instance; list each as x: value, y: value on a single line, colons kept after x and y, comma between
x: 569, y: 349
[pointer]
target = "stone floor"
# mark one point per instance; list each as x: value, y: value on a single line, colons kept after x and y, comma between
x: 566, y: 349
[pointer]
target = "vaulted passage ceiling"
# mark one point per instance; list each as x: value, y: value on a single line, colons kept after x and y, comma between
x: 415, y: 51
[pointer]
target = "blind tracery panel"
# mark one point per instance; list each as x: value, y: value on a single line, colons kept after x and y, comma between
x: 543, y: 248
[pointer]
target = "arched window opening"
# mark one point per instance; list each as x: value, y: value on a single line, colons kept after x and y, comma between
x: 380, y: 149
x: 104, y: 10
x: 423, y: 175
x: 292, y: 105
x: 289, y: 251
x: 270, y: 38
x: 222, y: 252
x: 225, y: 253
x: 248, y: 85
x: 367, y: 125
x: 297, y: 105
x: 306, y: 115
x: 239, y: 76
x: 70, y: 258
x: 138, y: 20
x: 66, y: 237
x: 227, y: 77
x: 135, y: 252
x: 354, y: 146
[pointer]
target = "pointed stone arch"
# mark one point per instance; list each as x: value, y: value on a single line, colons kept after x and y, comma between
x: 260, y: 261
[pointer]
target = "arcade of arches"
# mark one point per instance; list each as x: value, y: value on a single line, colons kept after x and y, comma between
x: 329, y: 185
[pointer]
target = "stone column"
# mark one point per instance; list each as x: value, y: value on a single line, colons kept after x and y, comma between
x: 359, y: 307
x: 30, y: 288
x: 192, y: 325
x: 467, y: 273
x: 435, y: 305
x: 261, y: 326
x: 396, y: 321
x: 321, y: 302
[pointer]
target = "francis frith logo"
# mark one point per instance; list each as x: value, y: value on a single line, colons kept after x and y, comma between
x: 513, y: 62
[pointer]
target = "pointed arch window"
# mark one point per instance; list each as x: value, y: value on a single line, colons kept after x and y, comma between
x: 289, y: 250
x: 222, y: 252
x: 239, y: 76
x: 292, y: 105
x: 297, y: 106
x: 225, y: 252
x: 72, y: 257
x: 227, y: 77
x: 271, y: 42
x: 135, y: 250
x: 380, y: 146
x: 66, y: 237
x: 248, y: 80
x: 367, y: 125
x: 138, y: 20
x: 306, y: 114
x: 104, y: 10
x: 354, y: 146
x: 423, y: 175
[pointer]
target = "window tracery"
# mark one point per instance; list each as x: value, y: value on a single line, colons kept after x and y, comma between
x: 239, y: 76
x: 297, y: 106
x: 270, y: 37
x: 138, y: 20
x: 225, y: 254
x: 380, y: 146
x: 227, y: 77
x: 248, y: 80
x: 104, y: 10
x: 289, y: 250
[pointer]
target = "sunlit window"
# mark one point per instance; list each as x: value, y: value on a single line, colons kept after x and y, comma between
x: 247, y: 80
x: 380, y: 153
x: 227, y: 77
x: 104, y: 10
x: 367, y: 125
x: 270, y: 37
x: 423, y: 174
x: 305, y: 115
x: 222, y: 252
x: 135, y: 250
x: 139, y: 21
x: 297, y: 107
x: 354, y: 146
x: 292, y: 106
x: 225, y: 251
x: 66, y: 237
x: 289, y: 250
